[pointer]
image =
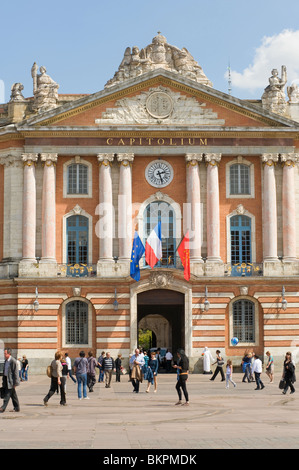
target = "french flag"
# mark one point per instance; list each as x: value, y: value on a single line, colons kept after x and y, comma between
x: 153, y: 246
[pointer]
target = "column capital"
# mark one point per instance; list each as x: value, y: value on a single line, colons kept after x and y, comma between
x: 289, y: 159
x: 193, y: 158
x: 29, y: 158
x: 105, y: 158
x: 213, y: 159
x: 270, y: 158
x: 125, y: 158
x: 49, y: 159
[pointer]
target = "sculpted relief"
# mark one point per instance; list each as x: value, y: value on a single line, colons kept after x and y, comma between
x: 160, y: 105
x: 158, y: 54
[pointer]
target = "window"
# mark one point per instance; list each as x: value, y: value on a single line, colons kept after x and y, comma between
x: 244, y: 321
x: 154, y: 213
x: 239, y: 178
x: 77, y: 179
x: 240, y: 238
x: 77, y: 240
x: 76, y: 322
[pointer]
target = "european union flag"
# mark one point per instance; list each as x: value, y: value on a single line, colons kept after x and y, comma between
x: 137, y: 252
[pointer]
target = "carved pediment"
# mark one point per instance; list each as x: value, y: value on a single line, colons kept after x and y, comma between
x: 160, y: 105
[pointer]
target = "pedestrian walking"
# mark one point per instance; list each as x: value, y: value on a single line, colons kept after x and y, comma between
x: 246, y: 367
x: 219, y: 367
x: 257, y: 369
x: 181, y: 385
x: 118, y: 367
x: 69, y: 367
x: 91, y: 371
x: 56, y: 374
x: 108, y: 367
x: 19, y: 360
x: 63, y: 379
x: 289, y: 373
x: 152, y: 372
x: 229, y: 374
x: 100, y: 362
x: 168, y: 358
x: 25, y: 367
x: 80, y: 369
x: 10, y: 381
x: 137, y: 363
x: 144, y: 367
x: 270, y: 367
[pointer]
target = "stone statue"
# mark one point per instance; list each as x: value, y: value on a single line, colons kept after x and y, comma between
x: 44, y: 90
x: 158, y: 54
x: 273, y: 98
x: 293, y: 93
x: 16, y: 92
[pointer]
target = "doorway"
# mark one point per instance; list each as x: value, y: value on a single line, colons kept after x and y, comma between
x: 163, y: 312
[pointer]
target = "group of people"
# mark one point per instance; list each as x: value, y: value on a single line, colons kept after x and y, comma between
x: 252, y: 368
x: 144, y: 367
x: 141, y: 366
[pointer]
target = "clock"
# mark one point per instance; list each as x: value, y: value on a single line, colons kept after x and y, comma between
x: 159, y: 173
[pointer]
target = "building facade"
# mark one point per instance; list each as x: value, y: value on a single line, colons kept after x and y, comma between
x: 80, y: 173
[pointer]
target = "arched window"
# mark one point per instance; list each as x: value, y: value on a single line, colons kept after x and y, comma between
x: 240, y: 239
x: 76, y: 323
x: 161, y: 211
x: 77, y: 179
x: 77, y: 239
x: 239, y: 179
x: 244, y: 321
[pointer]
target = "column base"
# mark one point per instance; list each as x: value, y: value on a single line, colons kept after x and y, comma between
x: 48, y: 268
x: 197, y: 267
x: 110, y: 268
x: 214, y: 267
x: 28, y: 268
x: 272, y: 267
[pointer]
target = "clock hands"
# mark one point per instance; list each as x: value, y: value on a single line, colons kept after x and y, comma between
x: 160, y: 173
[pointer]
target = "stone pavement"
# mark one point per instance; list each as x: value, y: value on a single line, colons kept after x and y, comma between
x: 116, y: 418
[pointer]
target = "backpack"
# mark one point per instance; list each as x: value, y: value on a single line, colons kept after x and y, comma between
x: 49, y: 371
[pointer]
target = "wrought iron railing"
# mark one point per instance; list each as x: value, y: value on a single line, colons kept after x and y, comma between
x: 171, y: 262
x: 243, y: 269
x: 77, y: 270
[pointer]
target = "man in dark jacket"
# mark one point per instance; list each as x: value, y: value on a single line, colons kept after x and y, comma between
x: 10, y: 381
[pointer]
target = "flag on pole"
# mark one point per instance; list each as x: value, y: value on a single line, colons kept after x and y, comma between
x: 184, y: 252
x: 136, y: 255
x: 153, y: 246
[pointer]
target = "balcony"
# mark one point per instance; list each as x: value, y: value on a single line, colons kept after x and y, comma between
x: 243, y: 270
x: 76, y: 270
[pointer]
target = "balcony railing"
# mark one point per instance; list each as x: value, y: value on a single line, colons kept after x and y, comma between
x: 243, y: 269
x: 77, y: 270
x: 171, y: 262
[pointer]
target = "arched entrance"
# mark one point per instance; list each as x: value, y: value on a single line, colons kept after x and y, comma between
x: 163, y: 312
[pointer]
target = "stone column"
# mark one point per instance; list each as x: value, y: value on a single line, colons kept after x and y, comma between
x: 269, y: 161
x: 125, y: 234
x: 105, y: 226
x: 213, y: 222
x: 193, y: 208
x: 29, y: 208
x: 49, y: 208
x: 288, y: 206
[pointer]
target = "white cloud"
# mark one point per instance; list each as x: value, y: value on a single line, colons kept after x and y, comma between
x: 275, y: 51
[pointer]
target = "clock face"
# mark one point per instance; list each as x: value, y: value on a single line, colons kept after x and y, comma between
x: 159, y: 173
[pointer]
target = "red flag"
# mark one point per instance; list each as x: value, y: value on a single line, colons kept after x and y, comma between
x: 184, y: 253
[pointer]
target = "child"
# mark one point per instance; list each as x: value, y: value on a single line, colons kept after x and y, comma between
x: 229, y: 373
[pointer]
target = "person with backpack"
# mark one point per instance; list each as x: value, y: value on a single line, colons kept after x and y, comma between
x: 219, y: 368
x: 56, y: 374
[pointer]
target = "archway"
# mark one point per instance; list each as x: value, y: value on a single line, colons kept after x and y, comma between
x: 163, y: 311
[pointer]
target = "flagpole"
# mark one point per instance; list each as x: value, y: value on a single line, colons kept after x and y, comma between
x: 180, y: 243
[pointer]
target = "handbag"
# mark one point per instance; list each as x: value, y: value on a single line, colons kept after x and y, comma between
x: 282, y: 384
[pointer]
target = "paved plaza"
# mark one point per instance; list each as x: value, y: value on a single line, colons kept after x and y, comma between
x: 117, y: 418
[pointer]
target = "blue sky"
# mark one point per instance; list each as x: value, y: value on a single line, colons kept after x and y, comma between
x: 81, y: 44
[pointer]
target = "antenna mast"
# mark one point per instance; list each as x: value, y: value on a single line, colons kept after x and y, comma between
x: 229, y: 80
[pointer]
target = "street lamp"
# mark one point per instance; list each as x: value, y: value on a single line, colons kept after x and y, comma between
x: 284, y: 302
x: 36, y: 302
x: 115, y: 303
x: 206, y: 304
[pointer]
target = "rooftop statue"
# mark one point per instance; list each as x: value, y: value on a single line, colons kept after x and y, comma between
x: 44, y: 90
x: 293, y: 93
x: 273, y: 98
x: 16, y: 92
x: 158, y: 54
